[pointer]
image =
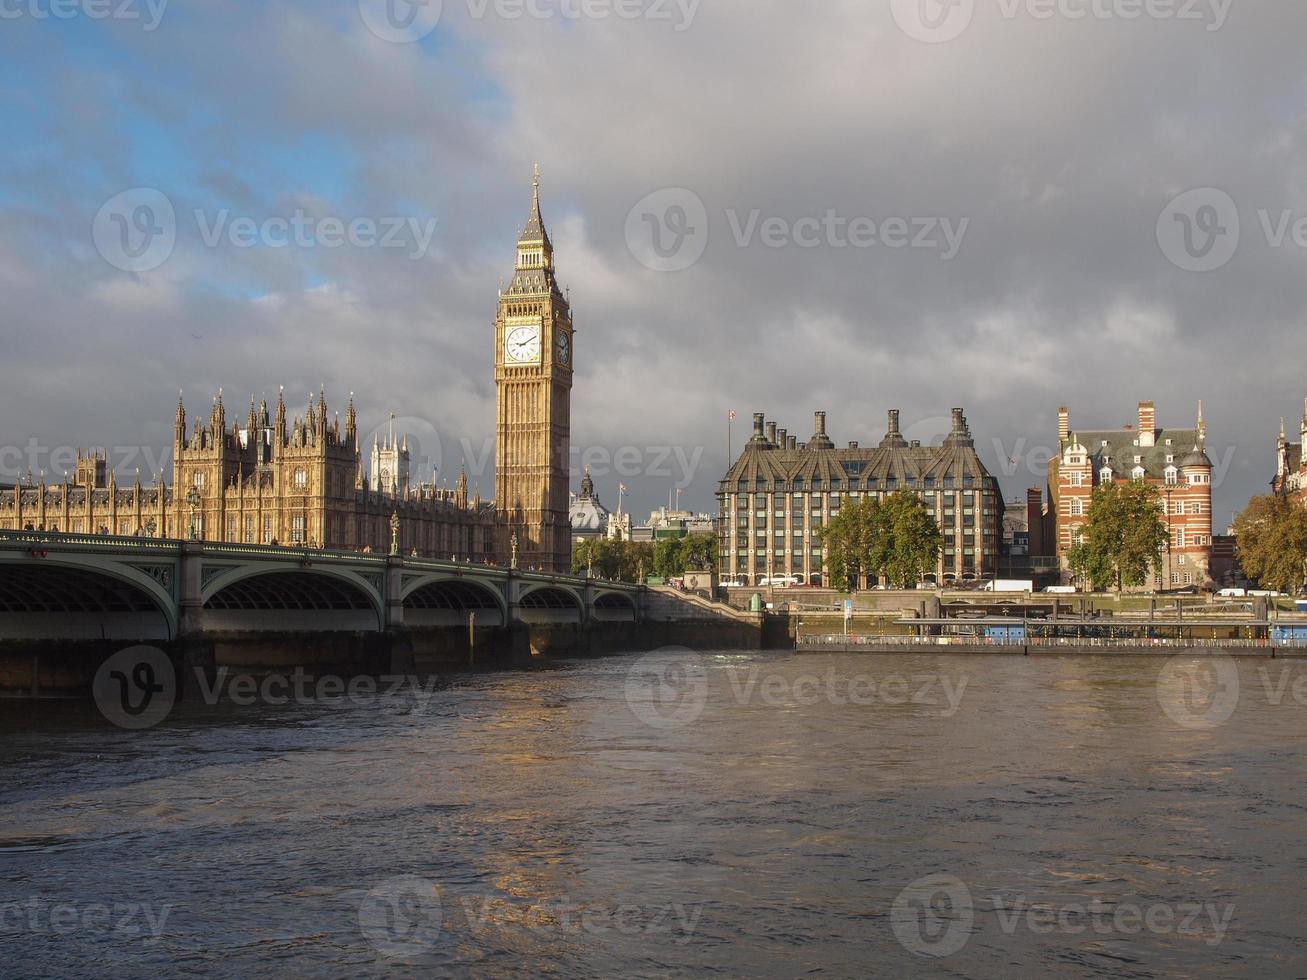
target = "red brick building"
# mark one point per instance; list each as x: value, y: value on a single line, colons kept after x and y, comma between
x: 1175, y: 461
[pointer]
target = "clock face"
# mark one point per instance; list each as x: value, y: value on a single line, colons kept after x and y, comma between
x: 522, y: 345
x: 564, y: 348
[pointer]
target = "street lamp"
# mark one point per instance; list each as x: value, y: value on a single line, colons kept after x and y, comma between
x: 193, y: 503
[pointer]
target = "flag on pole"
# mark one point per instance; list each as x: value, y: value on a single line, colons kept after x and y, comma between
x: 732, y: 415
x: 622, y: 487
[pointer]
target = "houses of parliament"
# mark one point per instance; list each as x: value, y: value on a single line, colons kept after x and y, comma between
x: 271, y: 479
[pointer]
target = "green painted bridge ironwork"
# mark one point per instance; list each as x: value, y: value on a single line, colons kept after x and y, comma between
x: 92, y: 586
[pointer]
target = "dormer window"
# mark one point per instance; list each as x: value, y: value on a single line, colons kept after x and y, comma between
x: 1138, y: 473
x: 1171, y: 475
x: 1105, y: 474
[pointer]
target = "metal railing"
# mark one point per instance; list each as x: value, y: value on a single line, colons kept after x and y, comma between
x: 838, y: 640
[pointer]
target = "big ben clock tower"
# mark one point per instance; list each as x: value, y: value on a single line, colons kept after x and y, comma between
x: 533, y: 396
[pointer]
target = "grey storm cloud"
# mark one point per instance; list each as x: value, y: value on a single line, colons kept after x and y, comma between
x: 1055, y: 143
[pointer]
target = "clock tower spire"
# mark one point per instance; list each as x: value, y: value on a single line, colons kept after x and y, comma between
x: 533, y: 394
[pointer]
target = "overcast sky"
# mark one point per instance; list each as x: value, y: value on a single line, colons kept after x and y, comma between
x: 758, y: 205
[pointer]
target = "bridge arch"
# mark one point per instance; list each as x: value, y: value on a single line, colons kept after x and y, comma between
x: 551, y: 604
x: 293, y: 598
x: 447, y: 600
x: 87, y: 597
x: 614, y: 607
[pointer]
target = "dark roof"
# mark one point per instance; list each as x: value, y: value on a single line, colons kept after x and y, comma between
x: 895, y: 459
x: 1116, y: 448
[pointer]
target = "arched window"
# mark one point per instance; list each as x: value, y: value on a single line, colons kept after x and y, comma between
x: 301, y: 478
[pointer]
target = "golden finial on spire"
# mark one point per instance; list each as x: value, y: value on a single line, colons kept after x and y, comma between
x: 535, y: 176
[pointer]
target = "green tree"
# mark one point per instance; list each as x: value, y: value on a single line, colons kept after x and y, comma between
x: 1124, y: 536
x: 851, y: 544
x: 1271, y: 534
x: 910, y: 539
x: 621, y: 561
x: 673, y: 556
x: 896, y: 537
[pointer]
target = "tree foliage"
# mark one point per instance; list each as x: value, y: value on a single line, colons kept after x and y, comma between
x: 897, y: 538
x: 621, y: 561
x: 1124, y: 538
x: 673, y: 556
x: 1271, y: 535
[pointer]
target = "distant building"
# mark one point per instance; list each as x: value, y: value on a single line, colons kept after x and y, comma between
x: 1290, y: 466
x: 1016, y: 528
x: 1174, y: 461
x: 588, y: 515
x: 778, y: 495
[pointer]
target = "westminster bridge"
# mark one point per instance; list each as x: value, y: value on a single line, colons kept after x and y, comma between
x: 68, y: 600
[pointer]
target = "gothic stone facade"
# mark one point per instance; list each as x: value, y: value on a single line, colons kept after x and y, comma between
x: 533, y: 398
x: 300, y: 483
x: 1174, y: 461
x: 779, y: 493
x: 92, y: 503
x: 1290, y: 466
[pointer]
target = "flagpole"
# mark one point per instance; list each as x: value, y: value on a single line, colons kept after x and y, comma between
x: 730, y: 421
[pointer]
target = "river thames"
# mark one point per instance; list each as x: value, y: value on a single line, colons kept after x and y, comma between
x: 737, y: 814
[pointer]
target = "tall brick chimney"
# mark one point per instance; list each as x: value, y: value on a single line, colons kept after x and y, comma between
x: 1064, y: 423
x: 1147, y: 423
